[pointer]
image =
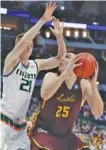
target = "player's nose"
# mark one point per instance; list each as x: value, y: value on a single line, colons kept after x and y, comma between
x: 62, y: 59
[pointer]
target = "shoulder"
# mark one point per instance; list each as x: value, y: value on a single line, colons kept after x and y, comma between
x: 34, y: 63
x: 50, y: 76
x: 8, y: 70
x: 38, y: 63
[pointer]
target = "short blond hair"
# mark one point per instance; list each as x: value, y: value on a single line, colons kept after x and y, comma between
x: 18, y: 37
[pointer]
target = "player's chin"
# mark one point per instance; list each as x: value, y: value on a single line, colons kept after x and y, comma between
x: 25, y: 56
x: 28, y: 54
x: 61, y: 69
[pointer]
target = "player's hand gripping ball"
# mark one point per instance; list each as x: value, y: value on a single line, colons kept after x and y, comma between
x: 88, y: 66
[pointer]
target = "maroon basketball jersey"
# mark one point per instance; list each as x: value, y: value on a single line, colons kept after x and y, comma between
x: 60, y: 111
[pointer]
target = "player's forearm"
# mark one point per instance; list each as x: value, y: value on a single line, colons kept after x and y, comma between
x: 28, y: 36
x: 32, y: 32
x: 97, y: 103
x: 22, y: 44
x: 48, y: 90
x: 61, y: 46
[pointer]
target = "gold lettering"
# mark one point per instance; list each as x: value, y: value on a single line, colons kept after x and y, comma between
x: 62, y: 98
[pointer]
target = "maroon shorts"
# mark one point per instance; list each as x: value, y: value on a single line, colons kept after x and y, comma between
x: 42, y: 139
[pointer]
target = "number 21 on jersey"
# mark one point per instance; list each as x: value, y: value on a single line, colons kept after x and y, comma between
x: 26, y: 85
x: 63, y: 111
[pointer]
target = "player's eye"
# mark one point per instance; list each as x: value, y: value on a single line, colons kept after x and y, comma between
x: 67, y: 56
x: 31, y: 45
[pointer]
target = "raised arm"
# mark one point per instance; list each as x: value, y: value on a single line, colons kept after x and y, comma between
x: 92, y: 95
x: 53, y: 62
x: 13, y: 57
x: 58, y: 32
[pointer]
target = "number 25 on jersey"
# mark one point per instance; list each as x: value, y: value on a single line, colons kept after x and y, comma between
x: 63, y: 111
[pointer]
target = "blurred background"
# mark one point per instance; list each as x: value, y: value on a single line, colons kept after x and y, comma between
x: 84, y: 31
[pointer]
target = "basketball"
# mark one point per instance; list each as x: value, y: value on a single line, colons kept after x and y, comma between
x: 88, y: 66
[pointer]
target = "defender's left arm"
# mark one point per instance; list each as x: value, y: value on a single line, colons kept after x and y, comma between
x: 45, y: 64
x: 92, y: 95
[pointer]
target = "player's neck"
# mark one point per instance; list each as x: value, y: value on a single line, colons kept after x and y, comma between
x: 25, y: 62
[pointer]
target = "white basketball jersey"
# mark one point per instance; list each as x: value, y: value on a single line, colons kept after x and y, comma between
x: 17, y: 90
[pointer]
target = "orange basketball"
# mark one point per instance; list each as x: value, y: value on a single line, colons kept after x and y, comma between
x: 88, y: 66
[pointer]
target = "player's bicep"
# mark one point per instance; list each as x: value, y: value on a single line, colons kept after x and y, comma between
x: 10, y: 58
x: 48, y: 78
x: 45, y: 64
x: 14, y: 55
x: 9, y: 64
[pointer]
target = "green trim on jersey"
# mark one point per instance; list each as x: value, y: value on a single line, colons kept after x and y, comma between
x: 36, y: 66
x: 10, y: 121
x: 12, y: 70
x: 25, y: 66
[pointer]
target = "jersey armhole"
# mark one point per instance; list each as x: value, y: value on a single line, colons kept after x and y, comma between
x: 12, y: 70
x: 36, y: 66
x: 82, y: 102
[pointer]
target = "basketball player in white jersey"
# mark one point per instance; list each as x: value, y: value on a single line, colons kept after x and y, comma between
x: 19, y: 77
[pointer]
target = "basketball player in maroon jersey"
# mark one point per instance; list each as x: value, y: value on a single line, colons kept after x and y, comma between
x: 53, y: 127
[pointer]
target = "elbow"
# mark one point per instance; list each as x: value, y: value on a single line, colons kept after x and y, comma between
x: 44, y: 95
x: 60, y: 55
x: 98, y: 112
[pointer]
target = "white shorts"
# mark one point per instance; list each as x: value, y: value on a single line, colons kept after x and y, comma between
x: 13, y: 139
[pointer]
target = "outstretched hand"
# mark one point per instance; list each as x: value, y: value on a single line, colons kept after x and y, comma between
x: 58, y: 27
x: 50, y: 8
